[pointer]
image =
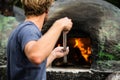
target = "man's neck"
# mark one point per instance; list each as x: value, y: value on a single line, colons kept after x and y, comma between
x: 37, y: 20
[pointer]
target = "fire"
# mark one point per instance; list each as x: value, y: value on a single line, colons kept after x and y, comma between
x: 84, y: 46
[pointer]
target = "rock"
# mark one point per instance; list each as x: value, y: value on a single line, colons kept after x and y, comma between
x: 114, y: 76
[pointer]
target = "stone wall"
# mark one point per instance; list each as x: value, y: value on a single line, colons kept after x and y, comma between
x: 66, y: 74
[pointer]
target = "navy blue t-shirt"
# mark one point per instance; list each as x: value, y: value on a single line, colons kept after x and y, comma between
x: 19, y: 67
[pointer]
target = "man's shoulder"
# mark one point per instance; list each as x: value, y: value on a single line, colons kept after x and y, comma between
x: 27, y: 26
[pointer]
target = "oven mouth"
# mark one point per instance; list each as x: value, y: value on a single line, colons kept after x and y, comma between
x: 79, y: 53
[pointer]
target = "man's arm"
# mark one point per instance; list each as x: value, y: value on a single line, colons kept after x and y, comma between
x: 38, y: 51
x: 56, y: 53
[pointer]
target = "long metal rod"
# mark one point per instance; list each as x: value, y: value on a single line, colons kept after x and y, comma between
x: 65, y: 45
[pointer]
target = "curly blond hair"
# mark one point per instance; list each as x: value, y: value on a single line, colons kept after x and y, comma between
x: 36, y: 7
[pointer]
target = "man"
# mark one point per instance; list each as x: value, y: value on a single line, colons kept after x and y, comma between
x: 28, y: 52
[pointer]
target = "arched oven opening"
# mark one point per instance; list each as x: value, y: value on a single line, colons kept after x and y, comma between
x: 79, y: 56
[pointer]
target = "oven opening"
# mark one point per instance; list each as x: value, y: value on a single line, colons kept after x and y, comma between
x: 79, y: 55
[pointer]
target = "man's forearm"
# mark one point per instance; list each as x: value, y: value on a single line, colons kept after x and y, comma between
x: 50, y: 59
x: 39, y: 50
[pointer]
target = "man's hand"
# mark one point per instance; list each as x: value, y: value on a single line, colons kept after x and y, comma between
x: 65, y: 23
x: 59, y: 52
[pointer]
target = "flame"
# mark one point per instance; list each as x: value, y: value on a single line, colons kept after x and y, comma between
x: 84, y: 46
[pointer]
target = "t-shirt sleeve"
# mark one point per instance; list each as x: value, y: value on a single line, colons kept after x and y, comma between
x: 28, y: 33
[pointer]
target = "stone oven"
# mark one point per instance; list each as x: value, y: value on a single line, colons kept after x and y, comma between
x: 94, y: 40
x: 95, y: 33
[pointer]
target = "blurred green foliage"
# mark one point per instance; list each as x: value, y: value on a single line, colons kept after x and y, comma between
x: 105, y: 56
x: 6, y: 26
x: 117, y: 47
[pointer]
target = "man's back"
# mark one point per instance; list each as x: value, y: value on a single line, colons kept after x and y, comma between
x: 19, y: 67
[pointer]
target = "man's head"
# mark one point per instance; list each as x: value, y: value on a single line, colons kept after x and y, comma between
x: 36, y: 7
